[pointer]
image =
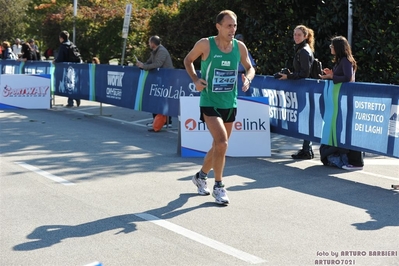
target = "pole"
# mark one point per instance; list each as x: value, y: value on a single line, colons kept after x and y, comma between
x: 350, y: 22
x: 75, y: 11
x: 125, y: 29
x: 123, y: 51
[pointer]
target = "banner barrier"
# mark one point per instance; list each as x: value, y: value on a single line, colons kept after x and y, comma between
x: 358, y: 116
x: 24, y: 91
x: 251, y: 129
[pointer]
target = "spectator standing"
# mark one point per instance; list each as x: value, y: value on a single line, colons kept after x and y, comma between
x: 27, y: 53
x: 63, y: 56
x: 241, y: 68
x: 220, y: 56
x: 344, y: 70
x: 345, y: 65
x: 35, y: 49
x: 17, y: 48
x: 49, y: 52
x: 302, y: 62
x: 159, y: 58
x: 6, y: 53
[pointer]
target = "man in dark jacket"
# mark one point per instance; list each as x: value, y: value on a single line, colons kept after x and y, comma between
x: 63, y: 54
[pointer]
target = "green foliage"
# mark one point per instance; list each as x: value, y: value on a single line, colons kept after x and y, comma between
x: 375, y: 31
x: 268, y: 27
x: 375, y: 40
x: 266, y: 24
x: 11, y: 20
x: 181, y: 26
x: 150, y: 4
x: 98, y: 26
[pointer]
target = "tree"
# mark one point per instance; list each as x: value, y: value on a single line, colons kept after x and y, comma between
x: 11, y: 20
x: 98, y: 25
x: 180, y: 26
x: 376, y: 40
x: 266, y: 24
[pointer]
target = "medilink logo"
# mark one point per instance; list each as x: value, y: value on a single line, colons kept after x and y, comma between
x: 242, y: 125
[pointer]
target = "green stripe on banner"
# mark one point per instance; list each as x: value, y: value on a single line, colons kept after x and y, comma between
x: 138, y: 105
x: 92, y: 96
x: 333, y: 137
x: 21, y: 67
x: 52, y: 83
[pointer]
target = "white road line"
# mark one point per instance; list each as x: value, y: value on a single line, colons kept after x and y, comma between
x: 363, y: 171
x: 391, y: 161
x: 45, y: 174
x: 201, y: 239
x: 378, y: 175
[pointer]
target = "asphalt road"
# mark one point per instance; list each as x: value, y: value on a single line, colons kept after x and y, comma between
x: 77, y: 188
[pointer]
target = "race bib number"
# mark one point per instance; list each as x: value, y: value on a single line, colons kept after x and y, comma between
x: 224, y: 80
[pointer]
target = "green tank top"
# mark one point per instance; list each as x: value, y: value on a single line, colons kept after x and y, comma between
x: 220, y: 72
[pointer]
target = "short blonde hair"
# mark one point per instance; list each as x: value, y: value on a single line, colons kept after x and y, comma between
x: 95, y: 60
x: 6, y: 44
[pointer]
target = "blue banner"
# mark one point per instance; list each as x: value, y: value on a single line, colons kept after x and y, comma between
x: 11, y: 67
x: 160, y: 90
x: 72, y: 80
x: 37, y: 67
x: 114, y: 85
x: 358, y: 116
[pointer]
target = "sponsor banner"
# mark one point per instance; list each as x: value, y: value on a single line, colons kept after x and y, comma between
x: 373, y: 117
x: 358, y: 116
x: 25, y: 91
x: 115, y: 85
x: 36, y: 67
x: 251, y: 130
x: 72, y: 80
x: 292, y: 105
x: 393, y: 131
x: 160, y: 90
x: 11, y: 66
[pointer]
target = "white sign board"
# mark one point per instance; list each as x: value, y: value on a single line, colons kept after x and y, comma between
x: 25, y: 91
x: 251, y: 129
x: 126, y: 21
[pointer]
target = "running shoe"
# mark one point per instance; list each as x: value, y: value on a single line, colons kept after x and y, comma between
x: 201, y: 185
x: 219, y: 193
x: 350, y: 167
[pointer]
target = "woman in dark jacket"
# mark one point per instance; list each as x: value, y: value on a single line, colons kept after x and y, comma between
x: 303, y: 53
x: 27, y: 53
x: 302, y: 62
x: 345, y: 65
x: 344, y: 70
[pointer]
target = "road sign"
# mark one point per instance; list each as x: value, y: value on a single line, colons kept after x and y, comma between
x: 126, y: 21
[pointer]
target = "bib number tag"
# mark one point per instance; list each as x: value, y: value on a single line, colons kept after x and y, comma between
x: 224, y: 80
